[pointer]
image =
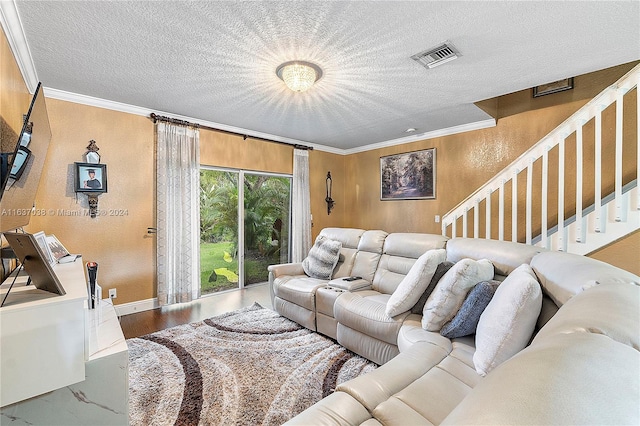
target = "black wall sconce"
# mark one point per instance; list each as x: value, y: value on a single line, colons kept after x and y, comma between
x: 328, y: 199
x: 91, y: 177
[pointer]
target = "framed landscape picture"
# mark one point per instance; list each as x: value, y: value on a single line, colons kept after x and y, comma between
x: 408, y: 176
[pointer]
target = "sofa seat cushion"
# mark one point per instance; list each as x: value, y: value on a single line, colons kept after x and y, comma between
x: 299, y: 289
x: 431, y: 397
x: 365, y: 312
x: 421, y: 385
x: 339, y: 409
x: 412, y: 332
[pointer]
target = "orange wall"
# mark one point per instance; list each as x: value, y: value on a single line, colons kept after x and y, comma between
x: 15, y: 97
x: 624, y: 253
x: 117, y: 239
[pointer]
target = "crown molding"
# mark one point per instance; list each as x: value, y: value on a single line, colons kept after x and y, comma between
x: 146, y: 112
x: 477, y: 125
x: 13, y: 29
x: 77, y: 98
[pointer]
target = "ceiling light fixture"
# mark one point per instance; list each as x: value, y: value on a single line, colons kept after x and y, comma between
x: 299, y: 75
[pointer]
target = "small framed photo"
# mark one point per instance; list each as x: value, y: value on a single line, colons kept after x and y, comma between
x: 41, y: 239
x: 91, y: 177
x: 553, y: 87
x: 409, y: 176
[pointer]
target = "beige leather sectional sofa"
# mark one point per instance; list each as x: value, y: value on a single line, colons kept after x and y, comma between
x: 582, y: 365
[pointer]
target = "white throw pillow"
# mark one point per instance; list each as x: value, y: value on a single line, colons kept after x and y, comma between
x: 415, y: 282
x: 506, y: 325
x: 322, y: 259
x: 448, y: 296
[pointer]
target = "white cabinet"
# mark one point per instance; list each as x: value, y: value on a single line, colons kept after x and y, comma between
x: 61, y: 363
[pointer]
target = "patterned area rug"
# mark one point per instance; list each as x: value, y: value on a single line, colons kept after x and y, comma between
x: 246, y: 367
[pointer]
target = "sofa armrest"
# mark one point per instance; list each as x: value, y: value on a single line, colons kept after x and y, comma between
x: 286, y: 269
x: 355, y: 285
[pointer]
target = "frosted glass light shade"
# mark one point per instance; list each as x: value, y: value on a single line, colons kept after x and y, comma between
x: 299, y: 76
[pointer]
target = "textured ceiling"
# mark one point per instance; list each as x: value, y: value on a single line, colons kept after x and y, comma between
x: 216, y: 61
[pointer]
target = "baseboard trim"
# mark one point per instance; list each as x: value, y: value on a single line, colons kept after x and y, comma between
x: 138, y: 306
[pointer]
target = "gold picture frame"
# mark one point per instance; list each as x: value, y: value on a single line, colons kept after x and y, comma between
x: 553, y: 87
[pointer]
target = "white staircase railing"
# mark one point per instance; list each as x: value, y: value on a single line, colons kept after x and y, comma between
x: 541, y: 220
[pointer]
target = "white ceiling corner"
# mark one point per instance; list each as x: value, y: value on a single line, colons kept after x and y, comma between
x: 12, y: 27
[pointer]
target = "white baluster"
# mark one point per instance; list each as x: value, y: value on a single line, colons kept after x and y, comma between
x: 561, y: 236
x: 545, y: 198
x: 638, y: 141
x: 580, y: 228
x: 600, y: 222
x: 620, y: 215
x: 464, y: 222
x: 487, y: 233
x: 514, y: 206
x: 528, y: 200
x: 476, y: 219
x: 501, y: 211
x: 454, y: 231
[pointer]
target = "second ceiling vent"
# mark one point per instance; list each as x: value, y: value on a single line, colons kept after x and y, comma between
x: 439, y: 55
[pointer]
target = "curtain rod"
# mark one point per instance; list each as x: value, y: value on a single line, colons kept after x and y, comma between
x: 155, y: 117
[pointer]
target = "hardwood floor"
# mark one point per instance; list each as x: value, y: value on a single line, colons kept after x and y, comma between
x: 141, y: 323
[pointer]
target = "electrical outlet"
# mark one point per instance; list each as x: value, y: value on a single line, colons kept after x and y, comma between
x: 113, y: 293
x: 437, y: 218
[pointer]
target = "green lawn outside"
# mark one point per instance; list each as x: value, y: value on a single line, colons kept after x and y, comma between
x: 212, y: 257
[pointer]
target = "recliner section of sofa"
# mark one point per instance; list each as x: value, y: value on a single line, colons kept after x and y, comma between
x: 363, y: 325
x: 293, y: 293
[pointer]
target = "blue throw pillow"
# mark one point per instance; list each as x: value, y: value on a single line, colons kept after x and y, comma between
x: 467, y: 318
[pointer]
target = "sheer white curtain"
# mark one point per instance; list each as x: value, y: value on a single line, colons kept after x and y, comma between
x: 301, y: 207
x: 178, y: 213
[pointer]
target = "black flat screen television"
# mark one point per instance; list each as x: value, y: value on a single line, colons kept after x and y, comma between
x: 22, y: 163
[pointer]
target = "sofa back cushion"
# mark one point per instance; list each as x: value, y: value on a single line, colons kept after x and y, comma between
x: 368, y: 254
x: 563, y: 275
x: 506, y: 256
x: 399, y: 253
x: 610, y: 310
x: 350, y: 239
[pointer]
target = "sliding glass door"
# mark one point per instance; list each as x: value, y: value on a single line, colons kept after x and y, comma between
x: 234, y: 252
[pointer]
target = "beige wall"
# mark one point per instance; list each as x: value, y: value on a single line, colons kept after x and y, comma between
x: 117, y: 239
x: 15, y: 98
x: 319, y: 164
x: 231, y: 151
x: 624, y: 253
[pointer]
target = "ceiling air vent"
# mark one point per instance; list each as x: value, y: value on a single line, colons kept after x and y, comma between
x: 442, y: 54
